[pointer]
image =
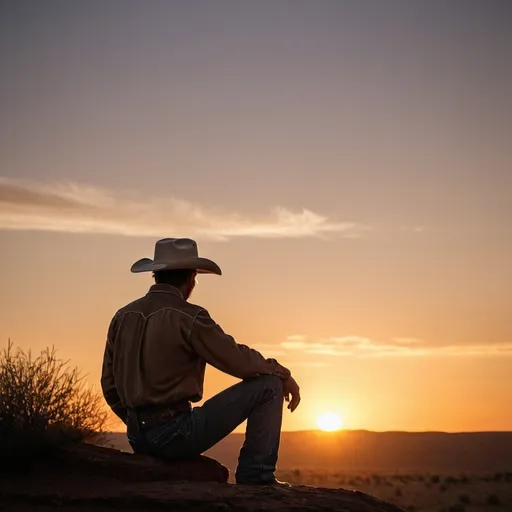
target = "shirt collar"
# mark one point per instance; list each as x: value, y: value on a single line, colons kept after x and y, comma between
x: 165, y: 288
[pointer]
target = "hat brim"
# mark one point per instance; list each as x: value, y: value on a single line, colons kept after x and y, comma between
x: 202, y: 265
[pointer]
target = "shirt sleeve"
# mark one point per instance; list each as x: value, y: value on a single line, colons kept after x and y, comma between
x: 108, y: 385
x: 217, y: 348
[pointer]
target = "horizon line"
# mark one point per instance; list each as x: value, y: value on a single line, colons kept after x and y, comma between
x: 353, y: 430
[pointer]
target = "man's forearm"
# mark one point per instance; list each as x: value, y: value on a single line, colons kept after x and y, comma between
x: 280, y: 371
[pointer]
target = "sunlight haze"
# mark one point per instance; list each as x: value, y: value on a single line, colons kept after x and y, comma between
x: 347, y: 164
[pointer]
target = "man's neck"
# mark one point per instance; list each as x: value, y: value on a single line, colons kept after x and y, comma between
x: 178, y: 289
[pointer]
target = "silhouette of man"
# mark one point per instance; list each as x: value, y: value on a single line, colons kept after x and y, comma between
x: 153, y: 368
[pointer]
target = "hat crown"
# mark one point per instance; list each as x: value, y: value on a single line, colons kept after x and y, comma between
x: 176, y: 254
x: 175, y: 249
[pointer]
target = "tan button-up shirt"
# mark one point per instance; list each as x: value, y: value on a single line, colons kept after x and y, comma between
x: 157, y: 349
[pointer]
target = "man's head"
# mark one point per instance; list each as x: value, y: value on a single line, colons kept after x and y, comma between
x: 184, y: 280
x: 177, y: 262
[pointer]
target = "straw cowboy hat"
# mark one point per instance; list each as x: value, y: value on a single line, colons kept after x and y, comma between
x: 176, y: 254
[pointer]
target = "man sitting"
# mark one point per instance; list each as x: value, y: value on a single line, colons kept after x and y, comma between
x: 154, y: 363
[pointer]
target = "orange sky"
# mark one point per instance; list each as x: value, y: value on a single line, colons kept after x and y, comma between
x: 348, y: 166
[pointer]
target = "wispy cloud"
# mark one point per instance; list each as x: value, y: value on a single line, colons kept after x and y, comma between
x: 413, y: 229
x: 308, y: 364
x: 358, y: 346
x: 77, y: 208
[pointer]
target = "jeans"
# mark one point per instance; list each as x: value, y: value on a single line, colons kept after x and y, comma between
x: 259, y: 400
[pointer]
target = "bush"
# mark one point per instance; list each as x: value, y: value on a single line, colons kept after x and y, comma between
x: 44, y: 405
x: 376, y: 479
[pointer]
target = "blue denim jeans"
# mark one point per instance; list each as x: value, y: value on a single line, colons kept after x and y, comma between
x: 259, y: 400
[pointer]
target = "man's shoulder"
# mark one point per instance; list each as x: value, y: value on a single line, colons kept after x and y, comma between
x: 195, y: 310
x: 189, y: 309
x: 134, y: 305
x: 145, y: 307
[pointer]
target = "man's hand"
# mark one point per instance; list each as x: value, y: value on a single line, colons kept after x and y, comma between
x: 291, y: 389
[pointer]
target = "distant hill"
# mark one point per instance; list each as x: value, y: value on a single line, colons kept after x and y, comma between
x: 360, y: 450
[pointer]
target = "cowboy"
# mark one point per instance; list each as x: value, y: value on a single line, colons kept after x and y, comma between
x: 154, y: 363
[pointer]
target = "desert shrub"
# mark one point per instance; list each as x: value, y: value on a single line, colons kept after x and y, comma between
x: 493, y: 499
x: 435, y: 479
x: 44, y: 404
x: 398, y: 492
x: 376, y: 479
x: 322, y: 478
x: 443, y: 488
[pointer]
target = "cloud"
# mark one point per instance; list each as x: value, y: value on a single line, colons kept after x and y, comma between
x: 308, y: 364
x: 414, y: 229
x: 489, y: 349
x: 271, y: 349
x: 277, y: 351
x: 406, y: 341
x: 77, y: 208
x: 296, y: 337
x: 358, y: 346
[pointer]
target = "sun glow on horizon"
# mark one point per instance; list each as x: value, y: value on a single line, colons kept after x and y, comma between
x: 329, y: 422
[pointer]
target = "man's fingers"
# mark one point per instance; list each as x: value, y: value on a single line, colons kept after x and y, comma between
x: 294, y: 403
x: 291, y: 393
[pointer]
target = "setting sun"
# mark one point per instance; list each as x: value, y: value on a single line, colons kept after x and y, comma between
x: 329, y: 422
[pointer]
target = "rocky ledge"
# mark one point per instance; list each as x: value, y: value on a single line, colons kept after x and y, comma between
x: 90, y: 479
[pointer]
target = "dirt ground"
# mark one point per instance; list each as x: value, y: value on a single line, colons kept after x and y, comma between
x: 420, y: 492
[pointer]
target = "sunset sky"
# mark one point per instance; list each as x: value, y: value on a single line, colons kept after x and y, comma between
x: 348, y: 164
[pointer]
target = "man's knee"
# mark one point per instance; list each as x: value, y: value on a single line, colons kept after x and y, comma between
x: 269, y: 388
x: 270, y: 383
x: 273, y: 382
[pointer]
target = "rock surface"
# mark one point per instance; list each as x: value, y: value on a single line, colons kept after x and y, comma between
x: 87, y: 459
x: 89, y: 478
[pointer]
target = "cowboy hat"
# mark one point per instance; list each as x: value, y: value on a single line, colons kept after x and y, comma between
x: 176, y: 254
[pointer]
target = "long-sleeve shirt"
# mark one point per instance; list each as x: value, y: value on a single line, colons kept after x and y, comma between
x: 157, y: 349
